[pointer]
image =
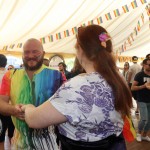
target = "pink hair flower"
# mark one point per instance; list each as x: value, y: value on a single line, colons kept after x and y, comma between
x: 104, y: 37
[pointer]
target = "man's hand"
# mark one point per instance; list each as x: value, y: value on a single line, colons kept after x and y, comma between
x: 18, y: 113
x: 147, y: 85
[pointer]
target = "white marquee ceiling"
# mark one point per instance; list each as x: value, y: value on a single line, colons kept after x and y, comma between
x: 23, y: 19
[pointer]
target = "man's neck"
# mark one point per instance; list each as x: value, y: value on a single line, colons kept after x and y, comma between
x: 147, y: 72
x: 30, y: 74
x: 62, y: 71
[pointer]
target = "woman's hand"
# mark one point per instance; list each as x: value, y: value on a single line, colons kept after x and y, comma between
x: 24, y: 107
x: 18, y: 113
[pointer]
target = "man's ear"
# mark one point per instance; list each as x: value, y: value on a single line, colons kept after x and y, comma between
x: 43, y: 53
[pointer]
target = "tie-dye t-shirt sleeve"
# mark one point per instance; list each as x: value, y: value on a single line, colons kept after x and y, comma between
x: 5, y: 85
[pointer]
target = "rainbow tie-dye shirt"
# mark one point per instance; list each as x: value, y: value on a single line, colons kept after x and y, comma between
x: 22, y: 90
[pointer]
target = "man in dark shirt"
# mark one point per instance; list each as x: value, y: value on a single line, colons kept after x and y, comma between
x: 141, y: 84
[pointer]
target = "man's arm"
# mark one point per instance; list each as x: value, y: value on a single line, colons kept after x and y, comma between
x: 136, y: 87
x: 10, y: 110
x: 6, y: 108
x: 147, y: 85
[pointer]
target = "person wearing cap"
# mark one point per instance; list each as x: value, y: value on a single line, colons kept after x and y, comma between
x: 133, y: 70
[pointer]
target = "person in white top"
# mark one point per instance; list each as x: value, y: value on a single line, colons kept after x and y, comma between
x: 133, y: 70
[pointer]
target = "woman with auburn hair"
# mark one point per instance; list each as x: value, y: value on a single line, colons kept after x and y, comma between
x: 89, y: 109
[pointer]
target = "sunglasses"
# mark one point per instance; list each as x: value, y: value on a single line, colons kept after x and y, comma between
x: 10, y: 68
x: 148, y: 64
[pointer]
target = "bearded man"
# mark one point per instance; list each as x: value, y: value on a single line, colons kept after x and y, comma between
x: 33, y: 84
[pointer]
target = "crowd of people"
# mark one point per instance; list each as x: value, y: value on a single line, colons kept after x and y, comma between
x: 81, y: 109
x: 138, y: 78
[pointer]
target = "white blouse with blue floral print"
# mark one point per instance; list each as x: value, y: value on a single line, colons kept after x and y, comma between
x: 87, y: 101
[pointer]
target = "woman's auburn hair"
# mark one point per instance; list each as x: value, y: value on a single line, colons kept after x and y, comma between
x: 104, y: 64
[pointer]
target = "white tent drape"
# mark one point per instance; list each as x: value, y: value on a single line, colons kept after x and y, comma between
x: 23, y: 19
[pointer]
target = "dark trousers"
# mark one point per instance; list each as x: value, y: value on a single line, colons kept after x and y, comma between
x: 134, y: 95
x: 6, y: 124
x: 110, y: 143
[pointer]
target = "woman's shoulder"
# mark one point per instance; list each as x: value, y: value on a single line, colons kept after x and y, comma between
x: 86, y: 78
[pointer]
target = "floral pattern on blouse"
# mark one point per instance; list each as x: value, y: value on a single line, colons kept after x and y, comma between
x: 88, y: 104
